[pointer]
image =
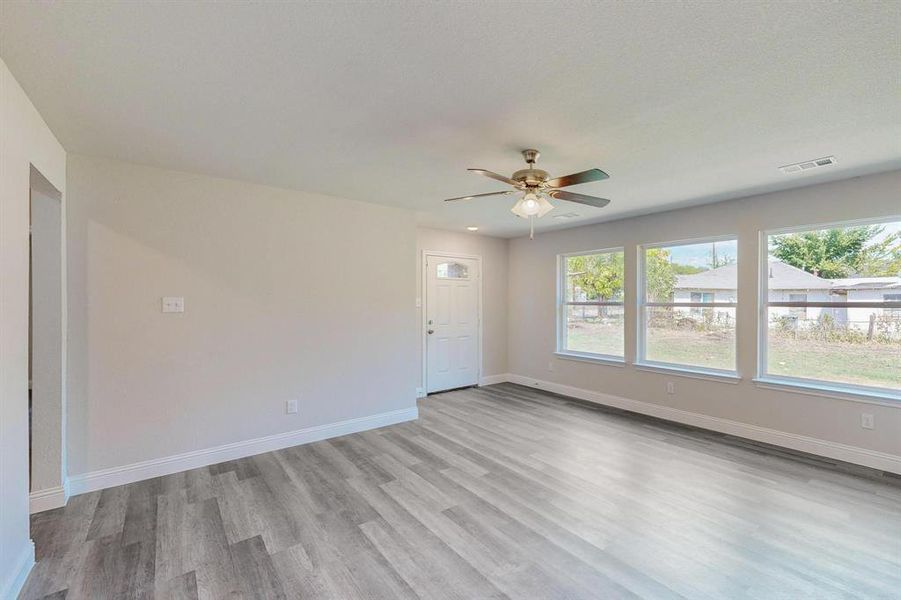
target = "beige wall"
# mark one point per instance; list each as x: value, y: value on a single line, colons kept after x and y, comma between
x: 532, y: 295
x: 25, y: 140
x: 493, y: 252
x: 287, y: 295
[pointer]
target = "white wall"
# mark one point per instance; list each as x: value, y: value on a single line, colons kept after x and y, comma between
x: 47, y: 381
x: 494, y: 289
x: 531, y: 324
x: 25, y: 140
x: 287, y: 295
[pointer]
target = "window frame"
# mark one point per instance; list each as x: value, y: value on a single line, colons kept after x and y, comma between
x: 562, y: 312
x: 763, y: 305
x: 642, y: 304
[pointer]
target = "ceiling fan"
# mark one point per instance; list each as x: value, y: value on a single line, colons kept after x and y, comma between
x: 536, y: 186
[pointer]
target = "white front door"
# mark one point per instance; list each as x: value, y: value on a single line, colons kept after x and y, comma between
x: 452, y: 322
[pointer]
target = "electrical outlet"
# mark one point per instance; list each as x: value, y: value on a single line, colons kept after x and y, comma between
x: 670, y: 387
x: 867, y: 421
x: 173, y: 304
x: 291, y: 407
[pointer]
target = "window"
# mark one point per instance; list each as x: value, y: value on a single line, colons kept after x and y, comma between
x: 701, y: 298
x: 452, y: 270
x: 830, y: 314
x: 591, y: 304
x: 687, y: 305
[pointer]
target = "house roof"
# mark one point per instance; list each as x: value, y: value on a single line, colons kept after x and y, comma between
x: 867, y: 283
x: 782, y: 277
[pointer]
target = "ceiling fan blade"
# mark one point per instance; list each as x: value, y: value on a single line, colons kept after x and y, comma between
x: 577, y: 178
x: 580, y: 198
x: 478, y: 196
x: 495, y: 176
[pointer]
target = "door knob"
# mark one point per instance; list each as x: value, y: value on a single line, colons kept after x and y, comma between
x: 431, y: 331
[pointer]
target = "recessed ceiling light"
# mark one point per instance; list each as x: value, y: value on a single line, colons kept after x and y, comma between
x: 472, y: 228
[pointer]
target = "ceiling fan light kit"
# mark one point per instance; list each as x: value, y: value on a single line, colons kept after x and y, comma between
x: 532, y: 205
x: 536, y: 186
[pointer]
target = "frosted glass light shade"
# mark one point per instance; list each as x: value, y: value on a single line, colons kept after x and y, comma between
x: 531, y: 205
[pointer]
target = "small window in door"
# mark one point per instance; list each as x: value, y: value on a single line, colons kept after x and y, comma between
x: 452, y: 270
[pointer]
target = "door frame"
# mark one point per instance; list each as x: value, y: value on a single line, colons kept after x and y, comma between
x: 426, y: 254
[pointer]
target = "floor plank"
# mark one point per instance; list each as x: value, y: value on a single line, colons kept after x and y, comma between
x: 495, y: 492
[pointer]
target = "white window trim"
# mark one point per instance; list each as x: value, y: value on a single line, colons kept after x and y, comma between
x: 825, y: 389
x: 719, y: 375
x: 562, y: 351
x: 803, y: 385
x: 641, y: 360
x: 590, y: 357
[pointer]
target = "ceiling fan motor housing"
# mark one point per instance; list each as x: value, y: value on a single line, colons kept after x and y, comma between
x: 531, y: 177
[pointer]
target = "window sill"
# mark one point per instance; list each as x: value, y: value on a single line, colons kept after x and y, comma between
x: 610, y: 361
x: 829, y: 391
x: 710, y: 375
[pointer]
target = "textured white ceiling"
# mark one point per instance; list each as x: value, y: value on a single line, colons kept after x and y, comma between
x: 390, y: 102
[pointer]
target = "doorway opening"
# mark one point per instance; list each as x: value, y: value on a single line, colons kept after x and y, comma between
x: 45, y: 346
x: 452, y: 323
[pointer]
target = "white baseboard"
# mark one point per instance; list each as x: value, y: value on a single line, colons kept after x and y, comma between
x: 48, y: 499
x: 492, y: 379
x: 17, y: 575
x: 98, y: 480
x: 852, y: 454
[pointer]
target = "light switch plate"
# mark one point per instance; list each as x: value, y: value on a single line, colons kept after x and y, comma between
x: 291, y: 407
x: 173, y: 304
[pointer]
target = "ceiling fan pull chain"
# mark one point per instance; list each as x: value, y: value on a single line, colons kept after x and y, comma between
x: 532, y: 227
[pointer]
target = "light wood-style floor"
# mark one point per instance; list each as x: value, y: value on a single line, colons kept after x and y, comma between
x: 495, y: 492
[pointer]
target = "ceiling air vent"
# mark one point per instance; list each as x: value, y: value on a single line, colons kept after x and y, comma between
x: 570, y: 215
x: 808, y: 165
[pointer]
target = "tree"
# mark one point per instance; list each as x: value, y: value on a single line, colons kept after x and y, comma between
x: 687, y: 269
x: 599, y: 276
x: 829, y: 253
x: 882, y: 259
x: 660, y: 275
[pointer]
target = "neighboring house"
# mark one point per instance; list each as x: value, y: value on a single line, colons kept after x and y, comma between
x: 787, y: 284
x: 790, y: 284
x: 869, y: 289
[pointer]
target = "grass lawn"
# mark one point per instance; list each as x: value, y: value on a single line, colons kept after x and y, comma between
x: 871, y: 364
x: 866, y: 363
x: 598, y: 338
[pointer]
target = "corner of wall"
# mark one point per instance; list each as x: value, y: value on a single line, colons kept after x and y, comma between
x: 21, y: 567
